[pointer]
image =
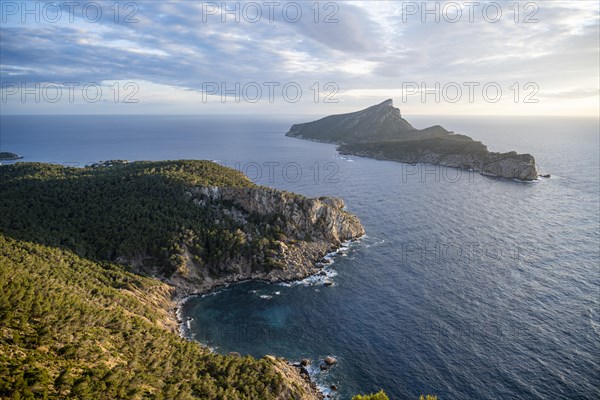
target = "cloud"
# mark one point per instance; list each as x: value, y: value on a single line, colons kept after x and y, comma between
x: 372, y: 46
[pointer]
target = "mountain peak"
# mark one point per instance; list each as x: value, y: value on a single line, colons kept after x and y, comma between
x: 377, y: 122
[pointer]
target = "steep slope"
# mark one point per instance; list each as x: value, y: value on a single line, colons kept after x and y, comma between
x: 73, y: 328
x: 302, y: 232
x: 193, y: 223
x: 379, y: 122
x: 380, y: 132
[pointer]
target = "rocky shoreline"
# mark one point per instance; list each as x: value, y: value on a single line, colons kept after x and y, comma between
x: 181, y: 298
x: 313, y: 228
x: 380, y: 132
x: 324, y: 220
x: 303, y: 372
x: 471, y: 165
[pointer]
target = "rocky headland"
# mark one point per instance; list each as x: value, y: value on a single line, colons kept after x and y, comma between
x: 150, y: 234
x: 380, y: 132
x: 308, y: 229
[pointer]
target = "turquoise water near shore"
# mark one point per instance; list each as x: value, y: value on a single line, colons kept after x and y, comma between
x: 465, y: 286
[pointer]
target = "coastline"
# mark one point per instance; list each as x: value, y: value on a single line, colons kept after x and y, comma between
x: 478, y: 171
x: 181, y: 298
x: 325, y: 262
x: 380, y: 157
x: 249, y: 232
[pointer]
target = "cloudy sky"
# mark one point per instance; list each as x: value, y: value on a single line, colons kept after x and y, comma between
x: 303, y: 57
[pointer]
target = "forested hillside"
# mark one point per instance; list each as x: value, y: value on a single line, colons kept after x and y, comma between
x: 136, y: 213
x: 194, y: 218
x: 74, y: 328
x: 82, y: 313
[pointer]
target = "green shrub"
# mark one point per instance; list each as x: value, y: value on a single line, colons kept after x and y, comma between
x: 374, y: 396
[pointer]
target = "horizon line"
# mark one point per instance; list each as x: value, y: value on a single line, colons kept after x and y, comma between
x: 299, y: 114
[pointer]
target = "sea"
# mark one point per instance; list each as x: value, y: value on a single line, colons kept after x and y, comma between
x: 465, y: 286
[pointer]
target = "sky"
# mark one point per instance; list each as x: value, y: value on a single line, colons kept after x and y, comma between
x: 299, y: 57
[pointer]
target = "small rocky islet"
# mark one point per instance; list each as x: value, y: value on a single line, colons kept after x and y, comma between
x: 8, y: 156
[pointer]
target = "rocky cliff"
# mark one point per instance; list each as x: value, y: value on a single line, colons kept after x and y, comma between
x: 307, y: 228
x: 449, y: 152
x: 380, y: 132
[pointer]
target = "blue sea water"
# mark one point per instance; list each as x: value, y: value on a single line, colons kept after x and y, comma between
x: 465, y: 286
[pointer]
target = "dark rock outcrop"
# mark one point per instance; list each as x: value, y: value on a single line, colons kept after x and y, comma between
x: 329, y: 360
x: 294, y: 377
x: 380, y: 132
x: 8, y: 156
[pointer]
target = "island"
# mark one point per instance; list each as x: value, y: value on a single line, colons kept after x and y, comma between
x: 94, y: 262
x: 7, y: 156
x: 380, y: 132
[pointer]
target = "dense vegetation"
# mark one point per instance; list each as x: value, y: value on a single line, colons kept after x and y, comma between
x: 137, y: 212
x: 413, y: 150
x: 76, y: 328
x: 382, y: 396
x: 374, y: 396
x: 73, y: 323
